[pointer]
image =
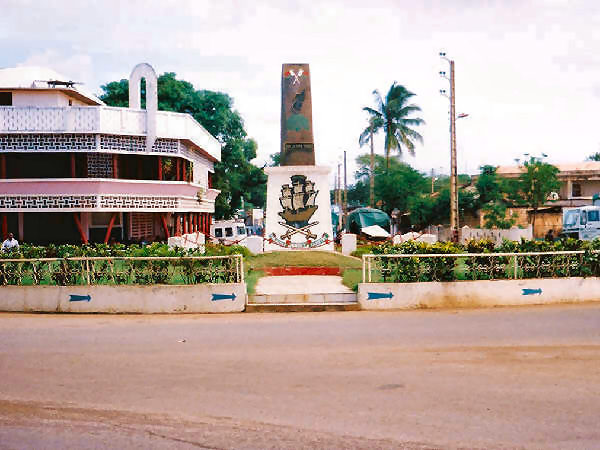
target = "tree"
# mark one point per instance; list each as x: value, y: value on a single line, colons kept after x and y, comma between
x: 488, y: 185
x: 594, y: 157
x: 235, y: 176
x: 537, y: 182
x: 495, y: 215
x: 393, y: 117
x: 394, y: 185
x: 275, y: 159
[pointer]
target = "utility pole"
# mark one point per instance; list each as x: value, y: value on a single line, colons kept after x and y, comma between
x: 453, y: 169
x: 338, y: 198
x: 345, y: 190
x: 372, y: 174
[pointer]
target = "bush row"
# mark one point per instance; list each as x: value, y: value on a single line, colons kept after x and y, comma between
x: 483, y: 267
x: 155, y: 249
x: 477, y: 246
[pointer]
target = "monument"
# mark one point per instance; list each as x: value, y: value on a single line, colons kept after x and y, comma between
x: 298, y: 205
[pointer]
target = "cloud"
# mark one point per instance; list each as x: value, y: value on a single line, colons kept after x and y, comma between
x: 526, y: 71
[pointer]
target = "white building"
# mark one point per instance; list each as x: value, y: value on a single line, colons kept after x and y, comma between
x: 75, y: 170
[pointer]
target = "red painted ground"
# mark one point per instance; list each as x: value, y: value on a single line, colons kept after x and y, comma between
x: 281, y: 271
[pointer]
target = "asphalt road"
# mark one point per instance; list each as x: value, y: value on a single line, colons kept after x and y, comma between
x: 496, y: 378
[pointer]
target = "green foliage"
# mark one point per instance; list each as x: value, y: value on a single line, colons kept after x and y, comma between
x: 492, y: 267
x: 594, y: 157
x: 538, y: 181
x: 394, y: 116
x: 488, y: 185
x: 275, y: 159
x: 394, y: 185
x: 495, y: 215
x: 235, y: 176
x: 132, y: 271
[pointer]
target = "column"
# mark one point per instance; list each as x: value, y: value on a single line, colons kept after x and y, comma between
x: 160, y: 177
x: 21, y: 226
x: 4, y: 226
x: 115, y: 165
x: 177, y: 225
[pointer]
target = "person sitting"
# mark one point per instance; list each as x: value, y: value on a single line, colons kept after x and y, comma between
x: 550, y: 235
x: 10, y: 243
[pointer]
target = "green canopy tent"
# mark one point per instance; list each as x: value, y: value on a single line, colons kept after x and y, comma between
x: 365, y: 217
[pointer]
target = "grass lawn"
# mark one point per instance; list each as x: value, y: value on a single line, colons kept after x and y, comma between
x: 303, y: 259
x: 351, y: 267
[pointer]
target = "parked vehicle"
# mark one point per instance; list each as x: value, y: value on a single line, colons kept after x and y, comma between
x: 228, y: 232
x: 581, y: 223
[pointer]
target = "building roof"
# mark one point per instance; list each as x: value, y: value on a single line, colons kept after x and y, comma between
x: 585, y: 166
x: 34, y: 78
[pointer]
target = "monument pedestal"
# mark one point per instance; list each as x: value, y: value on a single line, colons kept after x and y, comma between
x: 292, y: 221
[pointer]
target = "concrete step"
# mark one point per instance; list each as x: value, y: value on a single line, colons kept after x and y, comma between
x: 303, y: 307
x: 311, y: 298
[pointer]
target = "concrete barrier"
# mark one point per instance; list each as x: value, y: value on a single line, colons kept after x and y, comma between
x: 200, y: 298
x: 482, y: 293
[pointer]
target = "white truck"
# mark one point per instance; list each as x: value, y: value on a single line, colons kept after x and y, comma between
x: 581, y: 223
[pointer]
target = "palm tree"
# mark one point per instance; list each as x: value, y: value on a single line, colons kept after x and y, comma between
x: 392, y: 115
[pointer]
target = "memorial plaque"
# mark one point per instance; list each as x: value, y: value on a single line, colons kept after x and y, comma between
x: 297, y: 142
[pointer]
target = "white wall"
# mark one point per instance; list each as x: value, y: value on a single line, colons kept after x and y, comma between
x: 480, y: 293
x: 43, y: 98
x: 124, y: 299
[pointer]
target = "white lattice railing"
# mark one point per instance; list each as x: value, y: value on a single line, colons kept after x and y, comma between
x: 105, y: 119
x: 104, y: 195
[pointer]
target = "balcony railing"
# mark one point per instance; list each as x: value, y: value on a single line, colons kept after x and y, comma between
x: 92, y: 194
x: 105, y: 120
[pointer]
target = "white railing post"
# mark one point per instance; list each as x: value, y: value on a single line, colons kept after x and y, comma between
x: 364, y: 269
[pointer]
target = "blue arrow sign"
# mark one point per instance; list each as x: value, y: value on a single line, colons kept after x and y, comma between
x: 378, y: 295
x: 532, y: 291
x: 216, y: 297
x: 80, y: 298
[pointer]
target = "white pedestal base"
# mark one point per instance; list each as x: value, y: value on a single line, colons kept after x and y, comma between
x: 321, y: 233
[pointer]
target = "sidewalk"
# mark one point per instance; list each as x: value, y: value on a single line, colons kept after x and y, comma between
x: 301, y: 284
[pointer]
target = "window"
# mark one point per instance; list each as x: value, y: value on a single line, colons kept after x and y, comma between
x: 218, y: 232
x: 593, y: 216
x: 228, y: 231
x: 571, y: 218
x: 5, y: 98
x: 241, y: 230
x: 576, y: 190
x: 582, y: 219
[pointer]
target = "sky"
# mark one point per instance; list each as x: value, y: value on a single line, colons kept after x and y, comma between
x: 527, y: 72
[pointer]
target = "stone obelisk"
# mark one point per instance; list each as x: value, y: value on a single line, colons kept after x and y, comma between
x: 298, y: 215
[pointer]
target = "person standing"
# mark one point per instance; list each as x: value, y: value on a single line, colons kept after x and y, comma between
x: 10, y: 243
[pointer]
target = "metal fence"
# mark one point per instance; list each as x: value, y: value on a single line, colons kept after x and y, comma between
x: 122, y: 270
x: 407, y: 268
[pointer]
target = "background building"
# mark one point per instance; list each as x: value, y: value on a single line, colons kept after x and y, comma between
x: 578, y: 184
x: 75, y: 170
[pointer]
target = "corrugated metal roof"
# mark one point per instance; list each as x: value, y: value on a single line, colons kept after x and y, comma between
x: 34, y: 77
